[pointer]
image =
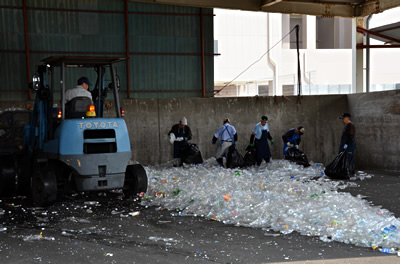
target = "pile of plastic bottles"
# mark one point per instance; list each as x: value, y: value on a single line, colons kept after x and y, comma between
x: 281, y: 195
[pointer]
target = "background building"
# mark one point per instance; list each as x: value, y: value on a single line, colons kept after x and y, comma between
x: 325, y: 52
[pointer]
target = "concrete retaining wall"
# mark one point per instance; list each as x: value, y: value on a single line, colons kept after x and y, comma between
x: 375, y: 115
x: 377, y: 119
x: 149, y: 122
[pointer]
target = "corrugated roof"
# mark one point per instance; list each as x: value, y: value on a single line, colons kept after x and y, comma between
x: 343, y: 8
x: 392, y: 31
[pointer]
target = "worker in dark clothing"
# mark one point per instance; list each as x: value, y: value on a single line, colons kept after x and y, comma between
x: 262, y: 135
x: 179, y: 136
x: 347, y: 142
x: 292, y: 139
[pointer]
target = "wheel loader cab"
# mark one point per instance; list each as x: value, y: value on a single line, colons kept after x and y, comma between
x: 77, y: 107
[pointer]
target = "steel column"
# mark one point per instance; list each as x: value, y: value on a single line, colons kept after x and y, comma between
x: 28, y: 63
x: 203, y: 77
x: 115, y: 92
x: 368, y: 59
x: 298, y: 64
x: 62, y: 89
x: 128, y: 84
x: 357, y: 56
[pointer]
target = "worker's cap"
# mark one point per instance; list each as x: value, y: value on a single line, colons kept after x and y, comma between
x: 227, y: 120
x: 183, y: 121
x: 301, y: 130
x: 345, y: 115
x: 84, y: 80
x: 264, y: 118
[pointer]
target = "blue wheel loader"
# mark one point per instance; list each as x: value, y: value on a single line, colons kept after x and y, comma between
x: 74, y: 145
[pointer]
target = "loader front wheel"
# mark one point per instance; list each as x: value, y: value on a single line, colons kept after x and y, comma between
x: 7, y: 176
x: 44, y: 186
x: 135, y: 180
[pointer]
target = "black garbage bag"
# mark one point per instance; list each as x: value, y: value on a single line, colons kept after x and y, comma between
x: 191, y: 154
x: 337, y: 169
x: 250, y: 158
x: 297, y: 156
x: 234, y: 159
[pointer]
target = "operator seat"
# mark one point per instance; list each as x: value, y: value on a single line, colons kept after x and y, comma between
x: 76, y: 108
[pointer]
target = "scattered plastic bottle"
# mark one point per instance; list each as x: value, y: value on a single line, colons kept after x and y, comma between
x: 176, y: 192
x: 91, y: 203
x: 388, y: 250
x: 134, y: 213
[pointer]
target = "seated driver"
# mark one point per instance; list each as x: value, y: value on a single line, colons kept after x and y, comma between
x: 81, y: 90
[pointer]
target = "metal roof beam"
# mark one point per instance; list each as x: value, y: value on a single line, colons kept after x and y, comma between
x: 309, y: 8
x: 267, y: 3
x: 380, y: 35
x: 374, y: 7
x: 339, y: 8
x: 250, y: 5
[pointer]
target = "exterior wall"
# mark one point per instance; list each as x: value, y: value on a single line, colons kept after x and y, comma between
x: 376, y: 117
x: 164, y: 44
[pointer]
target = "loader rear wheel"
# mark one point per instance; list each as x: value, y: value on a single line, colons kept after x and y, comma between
x: 44, y: 186
x: 7, y: 176
x: 135, y: 180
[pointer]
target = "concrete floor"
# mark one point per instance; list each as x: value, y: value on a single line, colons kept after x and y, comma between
x: 73, y: 231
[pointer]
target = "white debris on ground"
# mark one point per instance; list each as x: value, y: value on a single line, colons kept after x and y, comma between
x: 282, y: 196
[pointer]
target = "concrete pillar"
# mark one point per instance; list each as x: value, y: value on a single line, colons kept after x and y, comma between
x: 275, y: 35
x: 237, y: 90
x: 304, y: 29
x: 285, y: 29
x: 357, y: 56
x: 311, y: 32
x: 257, y: 90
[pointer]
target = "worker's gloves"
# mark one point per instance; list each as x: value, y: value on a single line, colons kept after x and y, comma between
x: 272, y: 141
x: 289, y: 144
x: 179, y: 139
x: 297, y: 146
x: 172, y: 138
x: 345, y: 146
x: 214, y: 142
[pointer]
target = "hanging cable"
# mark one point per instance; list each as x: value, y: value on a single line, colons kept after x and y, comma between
x: 256, y: 61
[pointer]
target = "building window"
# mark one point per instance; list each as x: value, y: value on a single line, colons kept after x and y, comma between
x: 333, y: 33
